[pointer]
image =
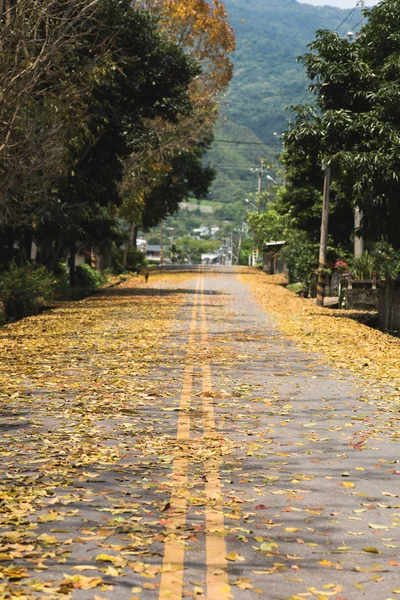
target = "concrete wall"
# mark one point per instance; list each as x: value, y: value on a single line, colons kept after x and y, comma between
x: 389, y: 309
x: 362, y: 298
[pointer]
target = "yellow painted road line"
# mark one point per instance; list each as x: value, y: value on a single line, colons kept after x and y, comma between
x: 217, y: 568
x: 171, y: 583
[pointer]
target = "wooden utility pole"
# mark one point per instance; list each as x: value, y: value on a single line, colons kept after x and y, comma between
x: 259, y: 188
x: 323, y: 240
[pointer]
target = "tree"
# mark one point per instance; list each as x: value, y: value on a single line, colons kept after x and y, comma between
x: 203, y: 32
x: 147, y: 77
x: 185, y: 177
x: 47, y: 72
x: 356, y: 86
x: 203, y: 29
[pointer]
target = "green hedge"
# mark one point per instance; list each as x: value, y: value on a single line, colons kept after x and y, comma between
x: 24, y: 290
x: 88, y: 278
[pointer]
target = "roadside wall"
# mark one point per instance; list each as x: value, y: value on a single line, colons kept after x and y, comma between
x: 362, y: 298
x: 389, y: 309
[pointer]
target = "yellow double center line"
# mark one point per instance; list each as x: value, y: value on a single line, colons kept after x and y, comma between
x: 172, y: 578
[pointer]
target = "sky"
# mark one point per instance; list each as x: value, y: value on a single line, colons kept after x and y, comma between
x: 339, y: 3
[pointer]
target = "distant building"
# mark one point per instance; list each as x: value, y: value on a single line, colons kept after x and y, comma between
x: 141, y: 244
x: 153, y: 252
x: 201, y: 231
x: 210, y: 259
x: 214, y: 230
x: 272, y: 261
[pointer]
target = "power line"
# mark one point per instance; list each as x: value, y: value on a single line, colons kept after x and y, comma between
x: 249, y: 169
x: 260, y: 98
x: 243, y: 143
x: 357, y: 24
x: 348, y: 16
x: 337, y: 28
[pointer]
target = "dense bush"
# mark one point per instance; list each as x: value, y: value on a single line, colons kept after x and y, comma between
x: 88, y: 278
x: 24, y: 290
x: 61, y: 276
x: 136, y: 260
x: 300, y: 255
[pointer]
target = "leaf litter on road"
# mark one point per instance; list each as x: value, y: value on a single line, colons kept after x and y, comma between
x: 91, y: 400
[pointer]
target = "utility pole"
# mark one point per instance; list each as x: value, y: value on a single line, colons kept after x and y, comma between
x: 324, y: 238
x: 358, y: 214
x: 259, y: 187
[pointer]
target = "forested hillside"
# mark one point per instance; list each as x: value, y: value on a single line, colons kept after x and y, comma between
x: 271, y: 34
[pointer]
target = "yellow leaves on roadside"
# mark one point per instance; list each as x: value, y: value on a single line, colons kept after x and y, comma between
x: 48, y: 540
x: 374, y: 526
x: 235, y: 557
x: 347, y: 484
x: 346, y: 343
x: 80, y: 582
x: 52, y: 516
x: 325, y: 563
x: 328, y: 591
x: 117, y: 561
x: 70, y: 381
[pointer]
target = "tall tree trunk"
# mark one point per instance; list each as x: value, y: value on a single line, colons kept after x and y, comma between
x: 129, y: 243
x: 358, y: 241
x: 55, y: 254
x: 26, y: 245
x: 72, y: 264
x: 104, y: 258
x: 134, y: 237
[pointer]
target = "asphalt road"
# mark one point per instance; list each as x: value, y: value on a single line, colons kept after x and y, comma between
x: 240, y: 471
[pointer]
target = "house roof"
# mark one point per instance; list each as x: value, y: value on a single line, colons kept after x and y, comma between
x: 275, y: 243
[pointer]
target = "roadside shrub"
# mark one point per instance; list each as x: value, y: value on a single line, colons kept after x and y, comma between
x: 61, y: 279
x: 300, y: 255
x: 24, y: 290
x: 89, y: 278
x: 364, y: 266
x: 136, y: 260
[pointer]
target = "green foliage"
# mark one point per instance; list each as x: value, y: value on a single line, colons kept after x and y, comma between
x: 136, y: 260
x: 186, y: 178
x: 297, y: 288
x: 384, y: 261
x: 300, y: 251
x: 364, y: 266
x: 269, y: 226
x: 357, y: 122
x: 192, y: 248
x: 88, y: 278
x: 61, y: 279
x: 300, y: 255
x: 119, y: 76
x: 387, y: 260
x: 24, y: 290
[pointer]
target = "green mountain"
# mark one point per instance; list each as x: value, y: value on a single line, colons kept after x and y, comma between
x: 271, y: 34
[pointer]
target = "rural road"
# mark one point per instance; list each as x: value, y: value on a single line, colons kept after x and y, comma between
x: 167, y: 441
